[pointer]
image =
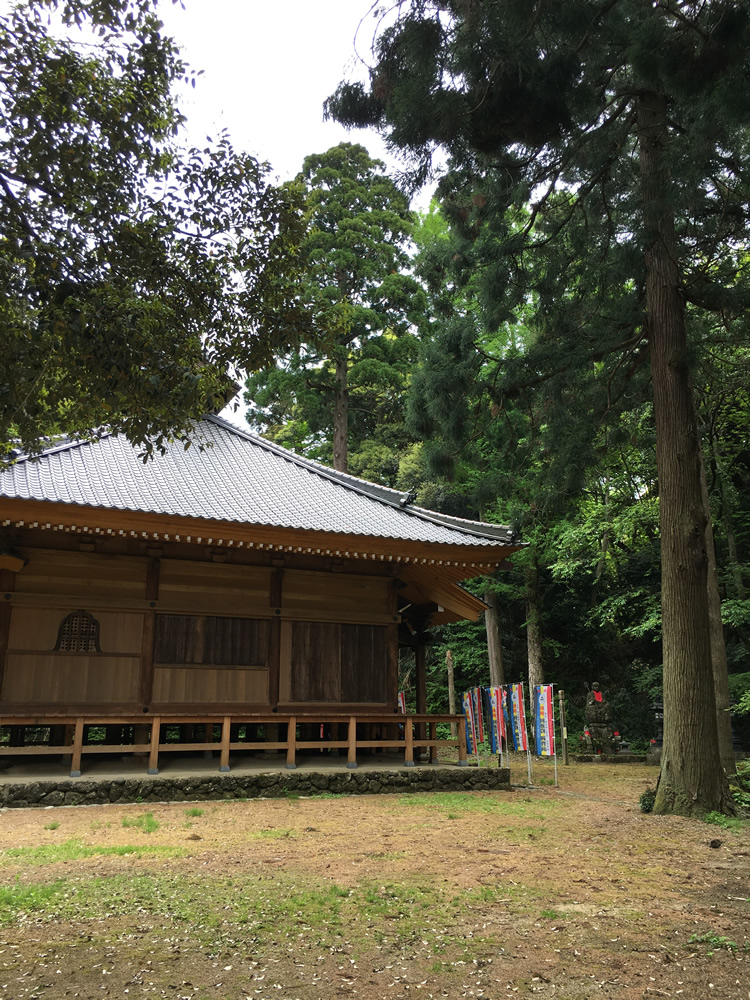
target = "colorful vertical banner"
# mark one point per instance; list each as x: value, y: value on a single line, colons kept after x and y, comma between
x: 476, y: 697
x: 517, y: 717
x: 544, y: 721
x: 471, y: 721
x: 402, y: 702
x: 497, y: 718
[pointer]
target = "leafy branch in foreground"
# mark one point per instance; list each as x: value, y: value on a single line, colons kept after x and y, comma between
x: 138, y: 278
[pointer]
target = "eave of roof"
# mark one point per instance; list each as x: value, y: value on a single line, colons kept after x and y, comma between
x: 100, y: 486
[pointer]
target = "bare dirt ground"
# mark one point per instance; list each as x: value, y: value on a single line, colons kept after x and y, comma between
x: 565, y: 892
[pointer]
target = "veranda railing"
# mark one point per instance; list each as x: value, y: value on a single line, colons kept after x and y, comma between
x: 149, y: 733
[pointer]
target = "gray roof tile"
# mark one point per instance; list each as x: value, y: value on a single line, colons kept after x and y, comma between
x: 232, y: 475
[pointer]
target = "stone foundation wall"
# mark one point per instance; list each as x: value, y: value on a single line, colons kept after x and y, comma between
x: 276, y: 784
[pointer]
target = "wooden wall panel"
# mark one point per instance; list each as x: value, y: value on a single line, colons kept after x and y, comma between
x: 190, y: 685
x: 75, y: 574
x: 331, y: 592
x: 364, y: 663
x: 37, y: 628
x: 219, y: 587
x: 211, y: 640
x: 316, y: 662
x: 32, y: 678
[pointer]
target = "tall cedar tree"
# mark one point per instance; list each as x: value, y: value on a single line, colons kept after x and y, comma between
x: 624, y: 124
x: 137, y: 277
x: 361, y: 302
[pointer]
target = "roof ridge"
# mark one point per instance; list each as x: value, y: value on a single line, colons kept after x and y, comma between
x: 374, y: 491
x: 67, y: 445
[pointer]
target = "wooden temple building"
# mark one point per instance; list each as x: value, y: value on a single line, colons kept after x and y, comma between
x: 231, y: 595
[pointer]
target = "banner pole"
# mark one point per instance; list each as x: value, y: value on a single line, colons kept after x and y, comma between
x: 552, y: 701
x: 528, y: 748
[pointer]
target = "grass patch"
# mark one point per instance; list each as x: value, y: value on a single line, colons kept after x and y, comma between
x: 272, y: 834
x: 193, y: 811
x: 145, y: 822
x: 27, y: 899
x: 74, y: 850
x: 255, y: 914
x: 52, y: 826
x: 457, y: 804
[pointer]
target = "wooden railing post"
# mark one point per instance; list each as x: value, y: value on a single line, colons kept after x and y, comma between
x: 226, y: 730
x: 462, y: 761
x: 409, y: 737
x: 352, y: 743
x: 291, y: 742
x: 153, y: 757
x: 75, y: 760
x: 433, y: 736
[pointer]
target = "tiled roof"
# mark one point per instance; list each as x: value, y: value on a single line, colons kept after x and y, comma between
x: 232, y: 475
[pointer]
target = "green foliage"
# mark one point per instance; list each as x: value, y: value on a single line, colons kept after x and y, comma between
x: 716, y: 941
x: 137, y: 276
x: 343, y: 386
x: 194, y: 811
x: 739, y: 692
x: 646, y: 801
x: 715, y: 818
x: 571, y: 191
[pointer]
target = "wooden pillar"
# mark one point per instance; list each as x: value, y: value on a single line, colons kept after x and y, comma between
x: 352, y: 743
x: 291, y: 743
x: 409, y: 739
x: 153, y: 757
x: 462, y: 757
x: 75, y: 761
x: 146, y: 677
x: 226, y: 730
x: 421, y: 687
x: 274, y: 661
x: 7, y: 586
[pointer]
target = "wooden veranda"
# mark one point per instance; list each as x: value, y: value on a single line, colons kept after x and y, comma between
x: 81, y: 735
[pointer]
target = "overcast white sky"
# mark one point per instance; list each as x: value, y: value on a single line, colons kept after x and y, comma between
x: 268, y: 66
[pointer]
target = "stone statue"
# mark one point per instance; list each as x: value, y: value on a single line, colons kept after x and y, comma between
x: 600, y: 734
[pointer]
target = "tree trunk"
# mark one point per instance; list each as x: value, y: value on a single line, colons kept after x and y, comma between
x: 738, y: 584
x: 691, y: 781
x: 533, y: 629
x: 718, y: 646
x: 601, y: 564
x: 341, y: 412
x: 494, y: 647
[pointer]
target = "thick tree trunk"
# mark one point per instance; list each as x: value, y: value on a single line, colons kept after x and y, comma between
x: 494, y: 647
x: 341, y: 412
x: 533, y: 627
x: 691, y: 781
x: 718, y: 646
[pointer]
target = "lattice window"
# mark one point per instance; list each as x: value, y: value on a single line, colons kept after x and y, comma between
x: 78, y: 633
